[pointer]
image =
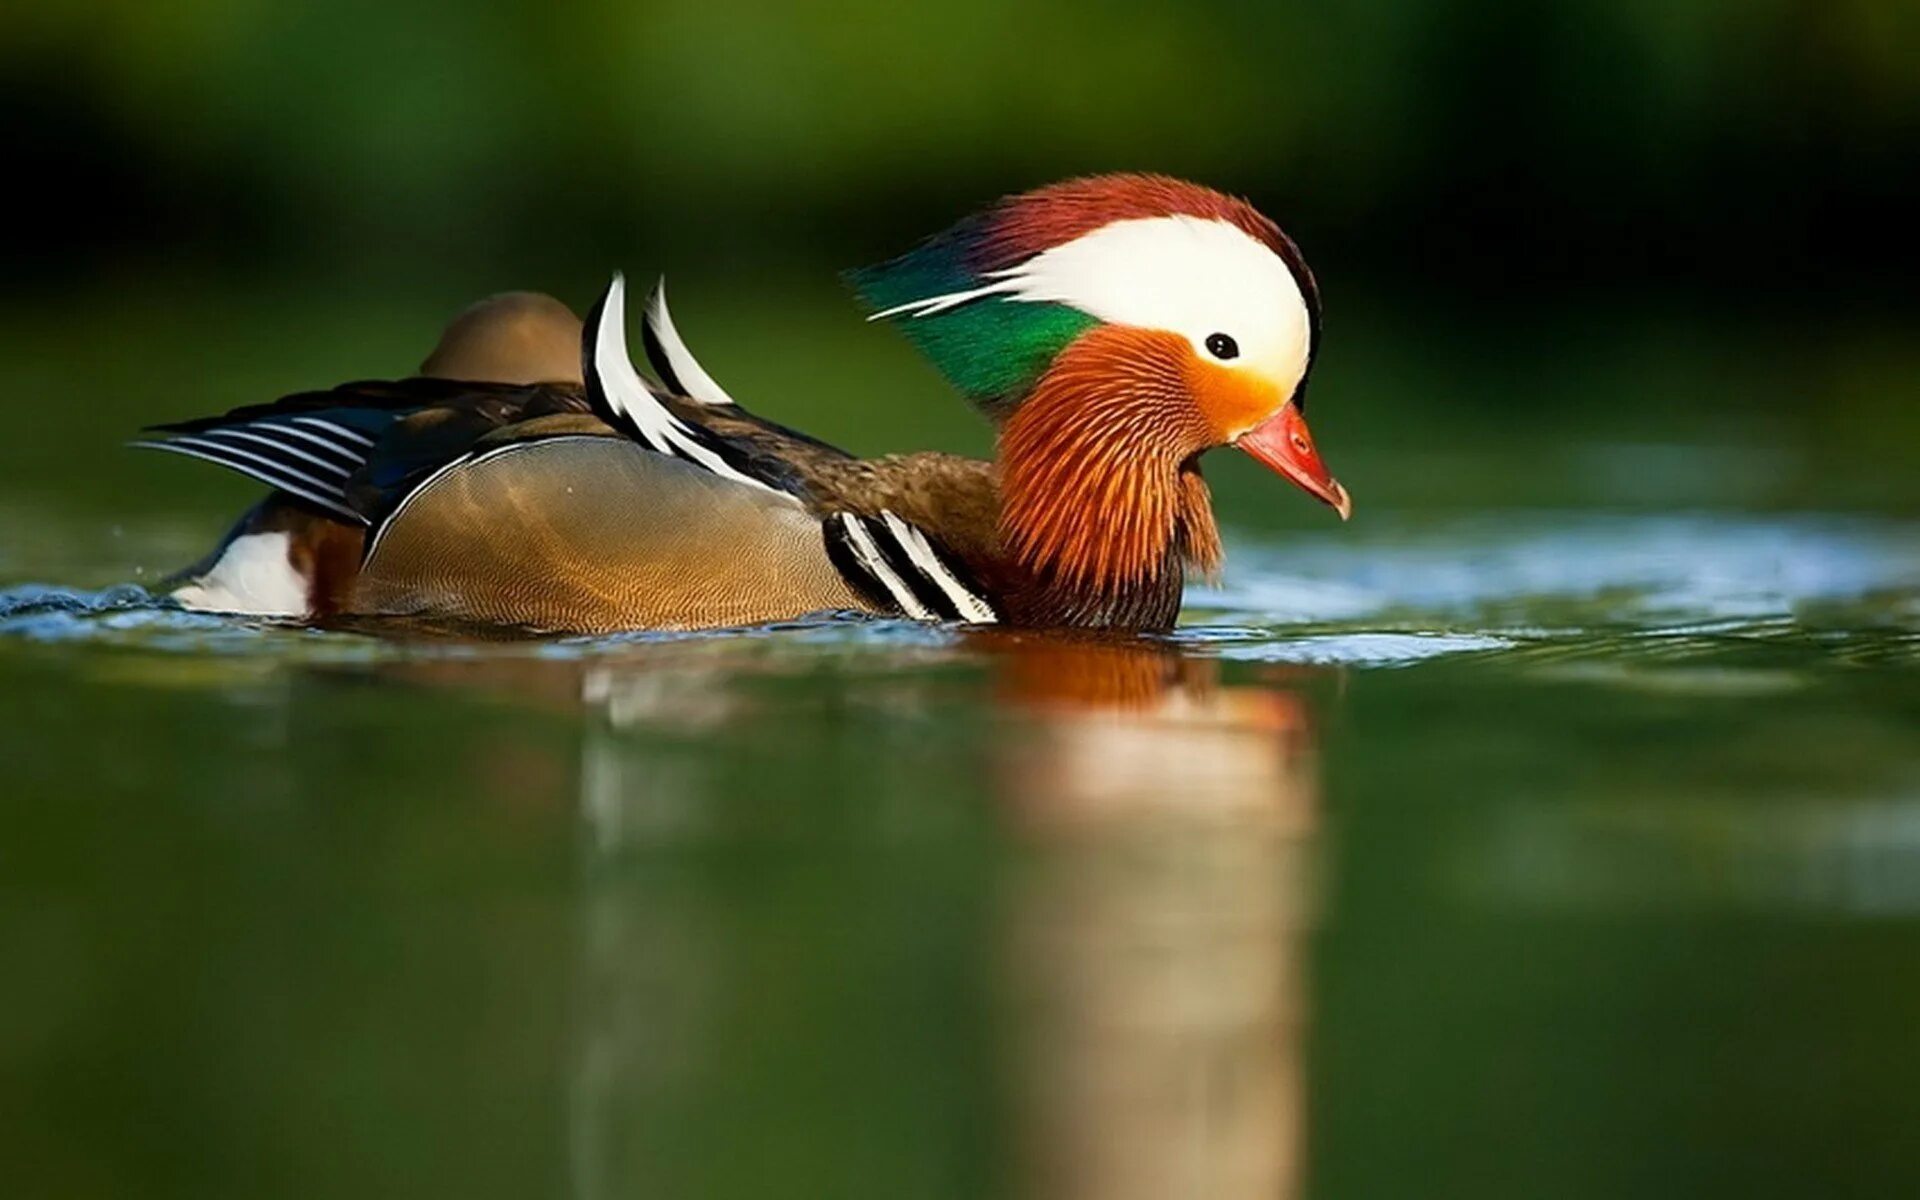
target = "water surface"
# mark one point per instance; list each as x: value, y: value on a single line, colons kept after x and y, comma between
x: 1562, y: 842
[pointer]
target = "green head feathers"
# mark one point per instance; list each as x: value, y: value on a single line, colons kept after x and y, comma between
x: 992, y: 348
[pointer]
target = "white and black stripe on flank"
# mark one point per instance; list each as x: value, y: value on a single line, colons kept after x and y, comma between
x: 896, y: 565
x: 851, y: 547
x: 622, y: 399
x: 964, y: 603
x: 305, y: 456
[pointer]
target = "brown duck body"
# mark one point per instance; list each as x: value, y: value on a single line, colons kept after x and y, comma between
x: 497, y: 493
x: 1113, y: 328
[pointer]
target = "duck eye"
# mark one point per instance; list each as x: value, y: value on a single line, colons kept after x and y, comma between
x: 1222, y: 347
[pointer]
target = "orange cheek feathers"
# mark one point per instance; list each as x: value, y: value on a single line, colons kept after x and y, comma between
x: 1091, y: 486
x: 1230, y: 401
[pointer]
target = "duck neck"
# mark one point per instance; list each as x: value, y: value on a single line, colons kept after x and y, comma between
x: 1102, y: 502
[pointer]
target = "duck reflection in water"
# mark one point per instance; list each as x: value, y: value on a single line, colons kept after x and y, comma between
x: 1157, y: 823
x: 1155, y: 944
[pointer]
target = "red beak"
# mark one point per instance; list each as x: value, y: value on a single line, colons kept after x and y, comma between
x: 1283, y: 443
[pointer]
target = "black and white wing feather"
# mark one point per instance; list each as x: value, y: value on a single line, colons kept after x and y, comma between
x: 311, y: 455
x: 667, y: 353
x: 620, y: 397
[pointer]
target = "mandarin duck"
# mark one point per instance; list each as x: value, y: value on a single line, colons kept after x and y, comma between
x: 1114, y: 328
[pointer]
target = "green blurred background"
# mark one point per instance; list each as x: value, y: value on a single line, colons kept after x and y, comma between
x: 1597, y: 221
x: 1758, y: 147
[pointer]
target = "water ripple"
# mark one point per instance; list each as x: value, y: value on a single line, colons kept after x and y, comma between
x: 1666, y: 601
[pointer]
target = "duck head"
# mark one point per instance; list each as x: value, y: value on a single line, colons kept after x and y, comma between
x: 1117, y: 327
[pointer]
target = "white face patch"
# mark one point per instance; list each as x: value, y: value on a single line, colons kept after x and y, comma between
x: 1188, y: 275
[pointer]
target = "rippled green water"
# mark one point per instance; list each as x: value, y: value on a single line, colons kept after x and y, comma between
x: 1553, y: 830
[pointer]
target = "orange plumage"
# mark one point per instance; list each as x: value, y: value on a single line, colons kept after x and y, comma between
x: 1110, y: 429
